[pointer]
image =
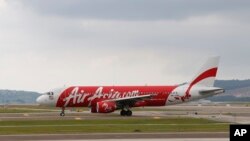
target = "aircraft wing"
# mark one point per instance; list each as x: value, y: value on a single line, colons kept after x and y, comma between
x: 129, y: 100
x: 213, y: 91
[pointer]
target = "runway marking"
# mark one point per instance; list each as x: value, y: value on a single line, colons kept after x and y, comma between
x: 78, y: 118
x: 26, y: 115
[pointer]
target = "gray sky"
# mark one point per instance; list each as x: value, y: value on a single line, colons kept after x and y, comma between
x: 46, y: 44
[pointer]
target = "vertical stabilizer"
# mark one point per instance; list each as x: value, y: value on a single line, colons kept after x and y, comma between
x: 206, y: 75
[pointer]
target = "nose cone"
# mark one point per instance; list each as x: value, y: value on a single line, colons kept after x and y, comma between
x: 41, y: 100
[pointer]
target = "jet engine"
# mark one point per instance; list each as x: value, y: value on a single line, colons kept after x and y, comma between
x: 105, y: 107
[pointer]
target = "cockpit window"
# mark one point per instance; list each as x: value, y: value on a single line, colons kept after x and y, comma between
x: 50, y: 93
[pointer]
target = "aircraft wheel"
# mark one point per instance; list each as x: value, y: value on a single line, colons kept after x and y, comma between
x: 123, y: 113
x: 129, y: 113
x: 62, y: 114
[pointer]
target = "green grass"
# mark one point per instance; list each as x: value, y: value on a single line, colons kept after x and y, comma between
x: 112, y: 126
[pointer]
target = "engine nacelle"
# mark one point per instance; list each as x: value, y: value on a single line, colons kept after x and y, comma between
x: 105, y: 107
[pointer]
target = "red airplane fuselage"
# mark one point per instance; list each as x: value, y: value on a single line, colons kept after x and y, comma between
x: 88, y: 96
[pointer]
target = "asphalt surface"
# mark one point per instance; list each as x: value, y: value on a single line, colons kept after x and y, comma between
x: 223, y: 113
x: 233, y: 114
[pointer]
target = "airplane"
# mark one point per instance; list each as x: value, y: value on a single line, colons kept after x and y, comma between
x: 107, y: 99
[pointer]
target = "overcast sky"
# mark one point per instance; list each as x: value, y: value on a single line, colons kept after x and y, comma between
x: 46, y: 44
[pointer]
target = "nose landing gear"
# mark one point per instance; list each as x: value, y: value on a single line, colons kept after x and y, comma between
x: 62, y: 114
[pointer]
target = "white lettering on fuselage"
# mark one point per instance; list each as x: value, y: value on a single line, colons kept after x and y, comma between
x: 79, y: 97
x: 98, y: 94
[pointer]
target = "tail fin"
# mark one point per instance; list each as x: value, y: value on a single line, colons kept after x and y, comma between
x: 206, y: 75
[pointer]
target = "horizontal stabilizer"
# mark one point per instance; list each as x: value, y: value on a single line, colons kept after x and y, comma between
x: 213, y: 91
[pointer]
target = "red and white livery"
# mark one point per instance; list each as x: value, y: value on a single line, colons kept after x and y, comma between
x: 107, y: 99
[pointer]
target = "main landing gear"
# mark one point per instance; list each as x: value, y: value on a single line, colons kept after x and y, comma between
x: 62, y: 114
x: 126, y: 112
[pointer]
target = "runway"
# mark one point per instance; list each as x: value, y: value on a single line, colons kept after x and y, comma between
x: 221, y: 113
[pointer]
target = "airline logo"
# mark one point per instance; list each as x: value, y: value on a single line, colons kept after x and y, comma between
x: 78, y: 96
